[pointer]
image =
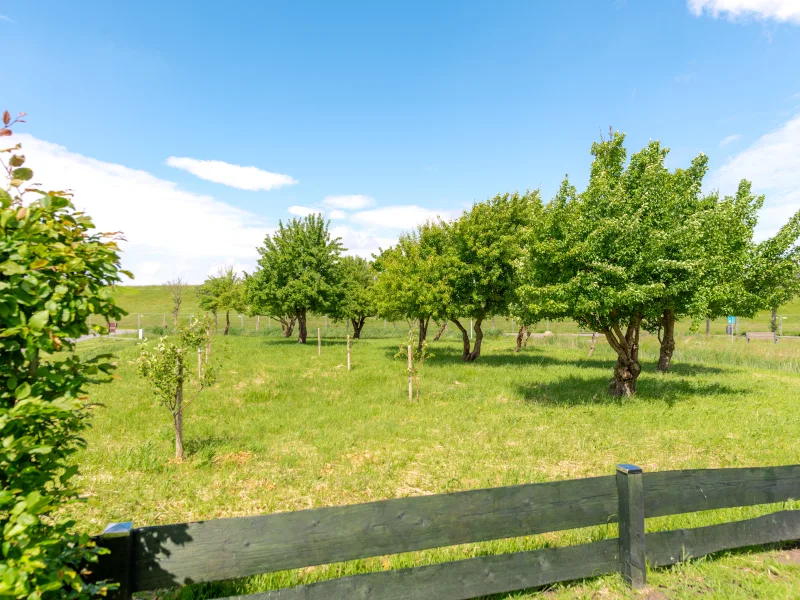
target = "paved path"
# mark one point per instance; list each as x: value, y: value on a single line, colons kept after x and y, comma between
x: 93, y: 336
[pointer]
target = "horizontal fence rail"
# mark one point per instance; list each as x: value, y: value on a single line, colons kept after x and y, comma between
x: 150, y: 558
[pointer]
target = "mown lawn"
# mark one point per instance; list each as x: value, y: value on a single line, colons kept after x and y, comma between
x: 284, y: 429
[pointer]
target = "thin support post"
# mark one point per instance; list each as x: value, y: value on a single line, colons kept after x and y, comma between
x: 631, y: 525
x: 410, y: 375
x: 319, y: 341
x: 199, y: 362
x: 258, y: 322
x: 138, y: 321
x: 348, y: 352
x: 117, y: 565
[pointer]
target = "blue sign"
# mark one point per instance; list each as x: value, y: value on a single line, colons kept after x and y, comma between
x: 731, y: 320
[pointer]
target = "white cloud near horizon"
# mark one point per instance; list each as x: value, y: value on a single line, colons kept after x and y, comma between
x: 169, y: 231
x: 348, y: 202
x: 236, y: 176
x: 778, y: 10
x: 302, y: 211
x: 401, y: 217
x: 729, y: 140
x: 772, y: 164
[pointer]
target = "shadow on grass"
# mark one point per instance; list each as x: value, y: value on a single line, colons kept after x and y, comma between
x: 576, y: 391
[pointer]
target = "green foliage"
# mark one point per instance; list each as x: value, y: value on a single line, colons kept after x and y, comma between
x: 298, y: 271
x: 412, y: 275
x: 55, y: 272
x: 222, y: 293
x: 419, y: 354
x: 356, y: 299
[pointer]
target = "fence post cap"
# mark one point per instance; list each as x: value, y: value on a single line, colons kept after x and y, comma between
x: 628, y: 469
x: 118, y: 529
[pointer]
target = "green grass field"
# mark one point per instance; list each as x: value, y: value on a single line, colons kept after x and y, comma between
x: 151, y: 306
x: 284, y: 429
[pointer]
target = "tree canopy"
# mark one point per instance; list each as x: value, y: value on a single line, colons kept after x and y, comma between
x: 222, y: 292
x: 356, y: 299
x: 298, y: 272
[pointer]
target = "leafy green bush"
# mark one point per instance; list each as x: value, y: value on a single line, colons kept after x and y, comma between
x: 54, y: 273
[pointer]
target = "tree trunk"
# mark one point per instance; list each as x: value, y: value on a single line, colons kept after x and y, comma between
x: 302, y: 332
x: 177, y: 415
x: 519, y: 338
x: 476, y: 348
x: 287, y: 325
x: 708, y: 326
x: 423, y: 332
x: 464, y: 339
x: 594, y: 342
x: 667, y: 340
x: 627, y: 369
x: 440, y: 332
x: 773, y: 322
x: 358, y: 325
x: 227, y: 322
x: 470, y: 353
x: 528, y: 333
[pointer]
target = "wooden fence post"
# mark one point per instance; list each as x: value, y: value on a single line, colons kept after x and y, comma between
x: 410, y: 372
x: 116, y: 566
x: 199, y: 362
x: 348, y: 352
x: 631, y: 525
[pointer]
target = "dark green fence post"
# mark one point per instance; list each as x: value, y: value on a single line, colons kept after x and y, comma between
x: 631, y: 525
x: 116, y: 565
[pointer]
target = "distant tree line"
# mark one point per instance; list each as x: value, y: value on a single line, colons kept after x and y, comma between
x: 640, y: 248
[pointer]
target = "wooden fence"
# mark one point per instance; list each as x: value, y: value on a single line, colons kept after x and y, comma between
x: 165, y: 556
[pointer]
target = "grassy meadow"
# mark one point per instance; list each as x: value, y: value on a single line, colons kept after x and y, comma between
x: 284, y: 429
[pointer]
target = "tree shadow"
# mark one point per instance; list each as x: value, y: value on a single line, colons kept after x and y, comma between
x: 579, y: 391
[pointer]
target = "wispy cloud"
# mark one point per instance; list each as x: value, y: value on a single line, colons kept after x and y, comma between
x: 302, y: 211
x: 349, y: 202
x: 778, y: 10
x: 772, y: 163
x: 400, y: 217
x: 730, y: 139
x: 169, y: 231
x: 7, y: 19
x: 237, y: 176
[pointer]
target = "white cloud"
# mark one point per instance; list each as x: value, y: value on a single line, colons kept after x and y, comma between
x: 779, y: 10
x: 350, y: 202
x: 169, y: 231
x: 772, y: 163
x: 362, y: 243
x: 303, y: 211
x: 400, y: 217
x: 237, y: 176
x: 337, y: 214
x: 730, y: 139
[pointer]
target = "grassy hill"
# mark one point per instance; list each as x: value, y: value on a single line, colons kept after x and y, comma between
x: 154, y: 304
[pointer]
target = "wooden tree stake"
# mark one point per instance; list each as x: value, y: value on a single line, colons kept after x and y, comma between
x: 199, y: 362
x: 631, y: 525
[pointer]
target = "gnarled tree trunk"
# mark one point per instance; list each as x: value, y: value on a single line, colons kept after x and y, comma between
x: 440, y: 332
x: 358, y: 325
x: 520, y: 335
x: 528, y: 332
x: 227, y: 322
x: 627, y: 369
x: 423, y: 332
x: 302, y: 332
x: 470, y: 353
x: 667, y: 340
x: 287, y: 325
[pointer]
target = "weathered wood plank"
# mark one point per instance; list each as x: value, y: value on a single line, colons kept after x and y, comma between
x: 675, y: 492
x: 171, y: 555
x: 670, y: 547
x: 631, y: 525
x: 463, y: 579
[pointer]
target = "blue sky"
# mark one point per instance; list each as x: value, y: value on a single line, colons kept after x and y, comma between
x: 382, y: 114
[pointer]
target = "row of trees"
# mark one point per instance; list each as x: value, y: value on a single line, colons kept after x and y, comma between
x: 640, y: 248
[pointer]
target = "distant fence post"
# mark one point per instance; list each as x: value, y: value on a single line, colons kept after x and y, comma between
x: 116, y: 566
x: 631, y: 525
x: 410, y: 375
x: 258, y: 322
